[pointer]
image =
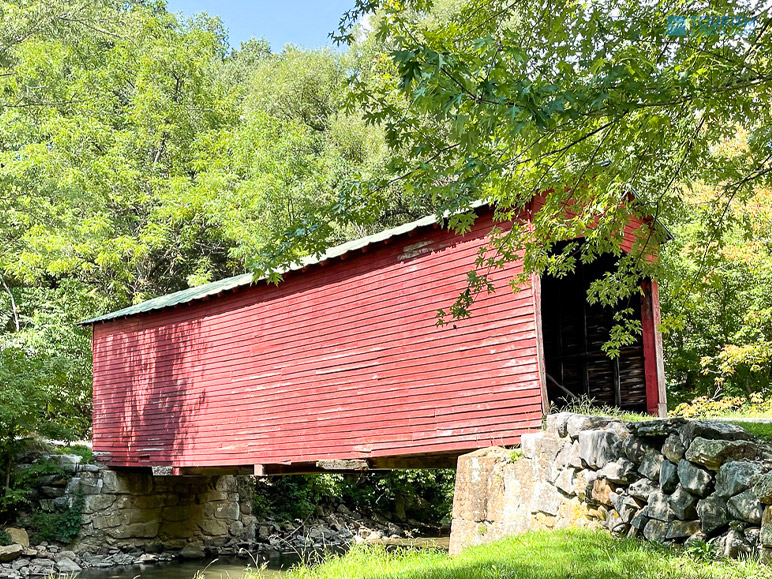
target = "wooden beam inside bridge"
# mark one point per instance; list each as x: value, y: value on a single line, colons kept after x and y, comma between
x: 358, y: 465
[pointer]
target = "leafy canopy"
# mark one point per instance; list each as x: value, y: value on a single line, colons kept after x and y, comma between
x: 139, y: 155
x: 581, y: 102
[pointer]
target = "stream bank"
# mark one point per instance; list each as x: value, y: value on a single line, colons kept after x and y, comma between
x: 134, y: 518
x: 276, y: 542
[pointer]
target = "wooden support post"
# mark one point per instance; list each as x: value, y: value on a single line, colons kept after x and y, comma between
x: 536, y: 296
x: 414, y: 462
x: 340, y: 464
x: 654, y: 365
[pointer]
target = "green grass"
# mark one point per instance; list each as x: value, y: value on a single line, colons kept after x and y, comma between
x: 81, y: 450
x: 761, y: 430
x: 586, y: 405
x: 572, y: 554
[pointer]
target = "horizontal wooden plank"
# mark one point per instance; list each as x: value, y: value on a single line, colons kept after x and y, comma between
x: 497, y: 425
x: 379, y: 415
x: 341, y: 362
x: 385, y: 372
x: 331, y: 278
x: 393, y: 337
x: 432, y: 393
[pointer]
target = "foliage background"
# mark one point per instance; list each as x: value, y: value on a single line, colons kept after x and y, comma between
x: 141, y: 154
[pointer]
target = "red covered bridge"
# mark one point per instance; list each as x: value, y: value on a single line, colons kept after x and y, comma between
x: 343, y: 361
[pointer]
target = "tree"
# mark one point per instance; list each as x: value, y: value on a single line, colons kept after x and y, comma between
x: 719, y: 324
x: 99, y: 105
x: 288, y: 157
x: 139, y: 156
x: 482, y: 99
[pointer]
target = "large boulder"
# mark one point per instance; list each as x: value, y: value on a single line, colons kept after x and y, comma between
x: 746, y: 507
x: 658, y: 507
x: 542, y: 448
x: 639, y: 520
x: 651, y: 463
x: 682, y: 529
x: 693, y: 478
x: 599, y: 447
x: 619, y: 471
x: 66, y: 462
x: 683, y: 504
x: 10, y: 552
x: 621, y: 428
x: 655, y: 531
x: 765, y: 537
x: 602, y: 492
x: 713, y: 514
x: 712, y: 430
x: 668, y: 476
x: 762, y: 487
x: 565, y: 481
x: 634, y: 449
x: 614, y: 522
x: 584, y: 481
x: 641, y: 489
x: 67, y: 566
x: 627, y: 507
x: 734, y: 544
x: 558, y: 423
x: 569, y: 456
x: 673, y: 449
x: 657, y: 428
x: 735, y: 476
x: 713, y: 453
x: 19, y: 536
x: 546, y: 499
x: 577, y: 423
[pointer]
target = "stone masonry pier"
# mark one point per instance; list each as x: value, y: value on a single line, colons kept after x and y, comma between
x: 135, y: 509
x: 669, y: 480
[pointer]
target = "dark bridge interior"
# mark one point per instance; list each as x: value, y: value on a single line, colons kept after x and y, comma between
x: 574, y: 332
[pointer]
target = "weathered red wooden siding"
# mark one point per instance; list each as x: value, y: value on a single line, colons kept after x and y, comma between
x: 341, y: 361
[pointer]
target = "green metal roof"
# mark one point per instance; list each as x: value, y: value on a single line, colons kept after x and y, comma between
x: 210, y: 289
x: 180, y: 297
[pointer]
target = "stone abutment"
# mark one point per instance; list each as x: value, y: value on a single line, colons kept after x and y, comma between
x: 669, y: 480
x: 127, y: 508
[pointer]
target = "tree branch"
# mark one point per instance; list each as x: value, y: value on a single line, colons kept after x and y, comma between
x: 14, y: 311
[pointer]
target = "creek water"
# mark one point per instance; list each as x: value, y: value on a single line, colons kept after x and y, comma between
x: 231, y: 568
x: 217, y: 569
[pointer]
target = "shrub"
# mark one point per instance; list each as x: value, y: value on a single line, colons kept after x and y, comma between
x: 294, y: 497
x: 81, y: 450
x: 15, y: 497
x: 59, y: 526
x: 423, y: 495
x: 704, y: 407
x: 5, y: 538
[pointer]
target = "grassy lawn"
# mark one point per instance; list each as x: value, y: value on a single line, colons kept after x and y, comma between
x: 762, y: 430
x: 573, y: 554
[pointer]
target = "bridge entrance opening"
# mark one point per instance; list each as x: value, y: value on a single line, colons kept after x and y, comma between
x: 574, y: 332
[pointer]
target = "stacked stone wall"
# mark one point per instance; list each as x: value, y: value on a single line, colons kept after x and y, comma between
x: 670, y: 480
x: 134, y: 509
